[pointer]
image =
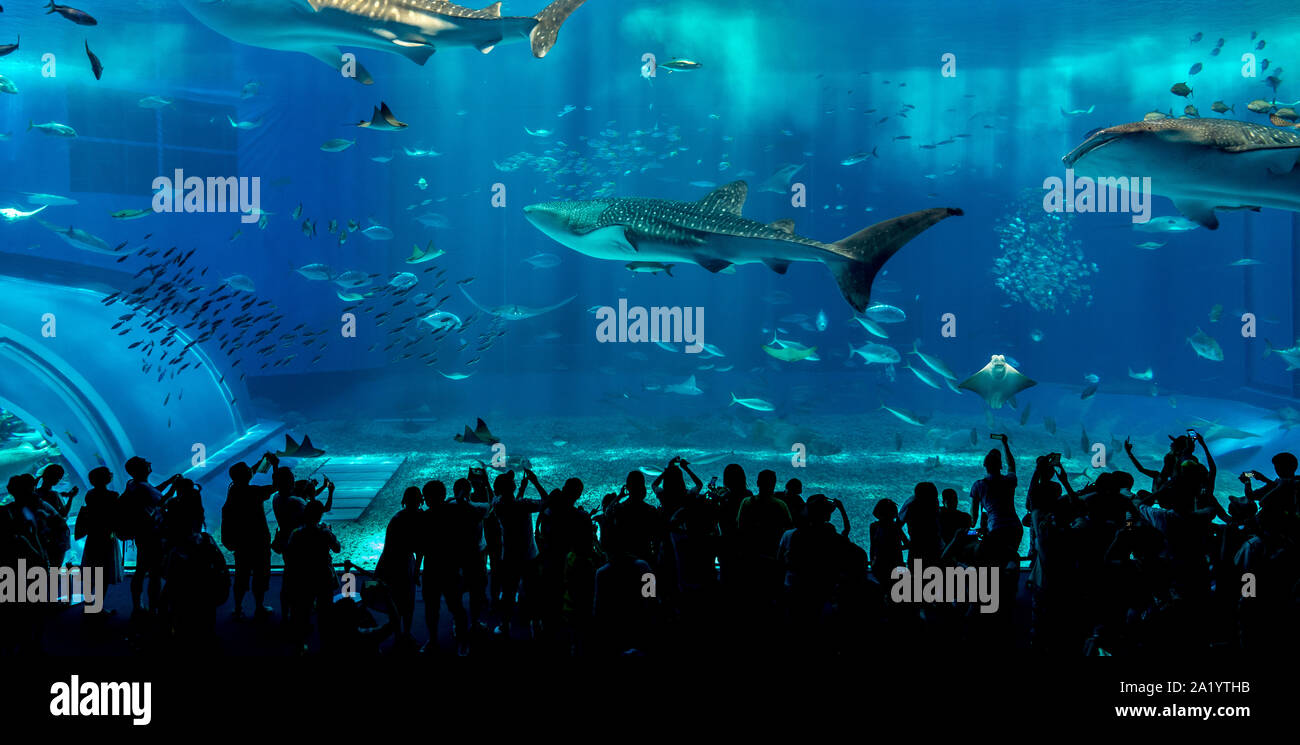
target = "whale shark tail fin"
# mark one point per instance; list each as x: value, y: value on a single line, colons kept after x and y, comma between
x: 855, y: 260
x: 548, y: 25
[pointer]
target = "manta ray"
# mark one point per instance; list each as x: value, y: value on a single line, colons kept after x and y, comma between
x: 515, y: 312
x: 303, y: 449
x: 712, y: 233
x: 1203, y: 165
x: 480, y: 435
x: 997, y: 382
x: 414, y: 29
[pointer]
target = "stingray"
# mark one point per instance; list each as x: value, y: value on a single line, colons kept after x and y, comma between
x: 303, y: 449
x: 480, y: 435
x: 382, y: 120
x: 513, y: 312
x: 997, y: 382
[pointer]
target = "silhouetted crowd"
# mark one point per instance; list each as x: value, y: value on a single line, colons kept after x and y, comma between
x: 676, y: 566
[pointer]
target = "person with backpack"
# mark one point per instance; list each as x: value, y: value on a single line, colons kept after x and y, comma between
x: 309, y: 570
x: 140, y: 521
x: 245, y: 533
x: 197, y: 577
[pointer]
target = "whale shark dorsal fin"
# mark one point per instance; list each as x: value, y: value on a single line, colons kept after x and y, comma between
x: 493, y: 10
x: 290, y: 446
x: 785, y: 225
x: 726, y: 198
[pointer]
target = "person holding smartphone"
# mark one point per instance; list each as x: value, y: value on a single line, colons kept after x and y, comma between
x: 995, y: 494
x: 1276, y: 494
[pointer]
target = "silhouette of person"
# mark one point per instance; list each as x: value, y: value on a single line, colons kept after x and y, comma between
x: 46, y: 488
x: 995, y: 494
x: 141, y: 521
x: 309, y: 569
x: 245, y: 532
x: 399, y: 563
x: 95, y: 523
x: 920, y: 513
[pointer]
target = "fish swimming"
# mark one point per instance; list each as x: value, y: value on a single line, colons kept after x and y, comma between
x: 79, y: 17
x: 712, y: 233
x: 880, y: 354
x: 1290, y: 355
x: 414, y: 29
x: 1205, y: 346
x: 757, y: 404
x: 78, y: 238
x: 1203, y: 165
x: 788, y: 351
x: 419, y: 255
x: 932, y: 362
x: 302, y: 449
x: 316, y: 272
x: 443, y: 321
x: 649, y: 267
x: 685, y: 388
x: 516, y: 312
x: 382, y: 120
x: 53, y: 129
x: 13, y: 214
x: 906, y: 416
x: 997, y: 382
x: 95, y: 65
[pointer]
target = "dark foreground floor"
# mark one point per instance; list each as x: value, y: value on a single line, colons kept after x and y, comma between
x: 70, y: 632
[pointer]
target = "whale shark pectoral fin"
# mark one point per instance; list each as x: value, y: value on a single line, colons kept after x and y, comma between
x: 780, y: 266
x: 418, y: 52
x: 331, y: 56
x: 713, y: 265
x: 612, y: 241
x: 1201, y: 213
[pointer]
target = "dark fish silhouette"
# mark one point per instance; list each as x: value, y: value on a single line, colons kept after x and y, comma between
x: 480, y: 435
x: 299, y: 450
x: 79, y: 17
x: 94, y: 63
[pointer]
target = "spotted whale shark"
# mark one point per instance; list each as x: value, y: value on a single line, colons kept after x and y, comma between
x: 712, y: 233
x: 415, y: 29
x: 1203, y: 165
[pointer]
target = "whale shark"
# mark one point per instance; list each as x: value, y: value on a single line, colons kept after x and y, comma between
x: 712, y: 233
x: 414, y: 29
x: 1203, y: 165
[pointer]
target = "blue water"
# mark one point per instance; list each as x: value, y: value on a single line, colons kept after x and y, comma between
x: 781, y: 84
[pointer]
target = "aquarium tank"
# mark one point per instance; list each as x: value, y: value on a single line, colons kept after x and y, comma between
x: 848, y: 242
